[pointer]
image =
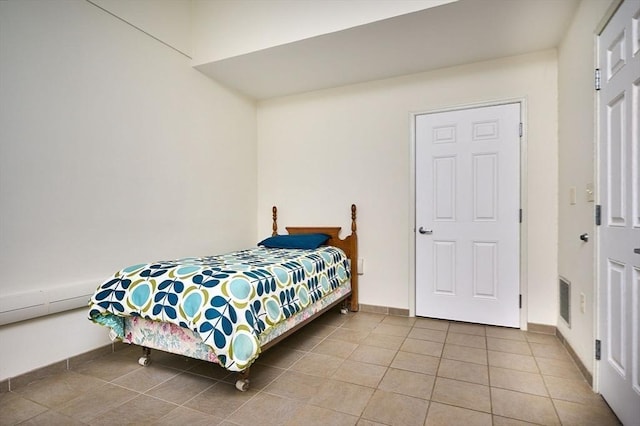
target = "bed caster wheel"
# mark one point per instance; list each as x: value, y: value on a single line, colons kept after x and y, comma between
x: 344, y: 311
x: 144, y: 361
x: 242, y: 385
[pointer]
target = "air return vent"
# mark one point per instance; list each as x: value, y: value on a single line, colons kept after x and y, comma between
x: 565, y: 300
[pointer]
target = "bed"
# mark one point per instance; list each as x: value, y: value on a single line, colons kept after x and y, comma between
x: 229, y: 308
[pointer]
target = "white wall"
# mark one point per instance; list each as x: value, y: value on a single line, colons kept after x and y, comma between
x: 244, y: 26
x: 321, y: 151
x: 576, y: 260
x: 113, y: 150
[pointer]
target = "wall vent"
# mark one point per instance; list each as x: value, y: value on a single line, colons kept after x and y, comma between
x: 565, y: 300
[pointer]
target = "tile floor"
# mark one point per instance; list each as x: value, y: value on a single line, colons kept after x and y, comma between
x: 355, y: 369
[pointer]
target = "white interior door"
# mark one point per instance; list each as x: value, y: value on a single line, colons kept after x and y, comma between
x: 619, y: 195
x: 468, y: 215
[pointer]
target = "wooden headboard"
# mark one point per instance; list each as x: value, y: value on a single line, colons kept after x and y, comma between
x: 349, y: 245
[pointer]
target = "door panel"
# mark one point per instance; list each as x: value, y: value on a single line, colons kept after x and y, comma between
x: 619, y: 234
x: 467, y: 215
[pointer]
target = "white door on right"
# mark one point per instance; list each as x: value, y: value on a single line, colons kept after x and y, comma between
x: 619, y: 197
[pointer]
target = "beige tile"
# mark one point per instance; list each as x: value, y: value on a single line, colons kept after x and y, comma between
x: 220, y: 400
x: 395, y: 409
x: 335, y: 348
x: 95, y: 402
x: 466, y: 354
x: 365, y: 422
x: 447, y: 415
x: 59, y: 389
x: 311, y: 415
x: 181, y: 388
x: 523, y: 406
x: 317, y: 365
x: 424, y: 347
x: 513, y: 361
x: 278, y: 356
x: 52, y: 418
x: 571, y: 390
x: 555, y: 351
x: 360, y: 373
x: 187, y: 416
x: 95, y: 354
x: 510, y: 346
x: 372, y: 355
x: 342, y: 396
x: 210, y: 370
x: 466, y: 328
x: 333, y: 318
x: 506, y: 333
x: 259, y: 376
x: 504, y: 421
x: 520, y: 381
x: 467, y: 340
x: 398, y: 320
x: 431, y: 323
x: 415, y: 362
x: 559, y: 368
x: 295, y: 385
x: 349, y: 335
x: 15, y: 409
x: 407, y: 383
x: 573, y: 414
x: 299, y: 342
x: 318, y: 331
x: 166, y: 359
x: 462, y: 394
x: 109, y: 367
x: 428, y: 334
x: 266, y: 409
x: 384, y: 341
x: 141, y: 407
x: 365, y: 323
x: 143, y: 379
x: 392, y: 330
x: 465, y: 371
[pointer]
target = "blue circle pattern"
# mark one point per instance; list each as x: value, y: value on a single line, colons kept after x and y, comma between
x: 229, y: 300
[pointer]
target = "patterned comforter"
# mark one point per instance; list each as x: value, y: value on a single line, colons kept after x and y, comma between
x: 228, y: 300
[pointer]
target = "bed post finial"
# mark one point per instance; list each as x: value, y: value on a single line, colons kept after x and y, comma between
x: 353, y: 218
x: 274, y: 227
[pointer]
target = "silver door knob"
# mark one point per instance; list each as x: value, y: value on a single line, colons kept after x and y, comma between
x: 425, y: 231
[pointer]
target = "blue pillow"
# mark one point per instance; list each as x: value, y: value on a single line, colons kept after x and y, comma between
x: 295, y: 241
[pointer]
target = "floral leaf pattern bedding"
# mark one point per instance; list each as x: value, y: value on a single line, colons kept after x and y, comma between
x: 228, y: 300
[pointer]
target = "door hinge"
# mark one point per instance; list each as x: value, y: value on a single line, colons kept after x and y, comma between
x: 520, y: 130
x: 597, y: 79
x: 520, y: 216
x: 598, y: 215
x: 520, y: 300
x: 598, y: 353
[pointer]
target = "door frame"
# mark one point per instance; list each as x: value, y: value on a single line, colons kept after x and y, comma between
x: 523, y: 197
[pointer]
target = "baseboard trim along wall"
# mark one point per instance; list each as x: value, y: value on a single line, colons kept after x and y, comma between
x: 374, y: 309
x: 37, y: 303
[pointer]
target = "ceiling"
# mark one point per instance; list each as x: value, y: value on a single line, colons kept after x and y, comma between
x: 461, y: 32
